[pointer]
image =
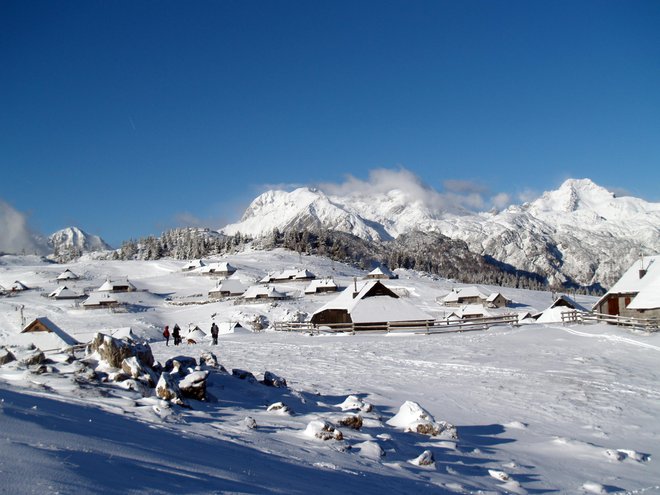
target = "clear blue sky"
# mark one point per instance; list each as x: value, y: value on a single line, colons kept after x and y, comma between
x: 120, y: 116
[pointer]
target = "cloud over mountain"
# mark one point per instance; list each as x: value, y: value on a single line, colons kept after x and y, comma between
x: 17, y: 236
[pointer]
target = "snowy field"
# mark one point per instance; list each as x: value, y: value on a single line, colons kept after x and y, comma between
x: 539, y: 408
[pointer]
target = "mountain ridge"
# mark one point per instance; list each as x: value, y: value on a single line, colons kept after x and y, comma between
x: 580, y: 233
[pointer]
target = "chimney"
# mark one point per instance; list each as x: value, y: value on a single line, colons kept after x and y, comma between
x: 355, y: 291
x: 642, y: 270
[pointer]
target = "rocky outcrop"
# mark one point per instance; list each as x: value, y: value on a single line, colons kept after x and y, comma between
x: 133, y: 367
x: 167, y: 388
x: 193, y: 385
x: 114, y: 351
x: 244, y: 375
x: 180, y: 365
x: 323, y: 430
x: 353, y: 421
x: 6, y: 356
x: 272, y: 380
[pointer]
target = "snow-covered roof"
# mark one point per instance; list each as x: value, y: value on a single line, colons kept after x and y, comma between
x: 67, y: 275
x: 257, y: 291
x: 567, y: 302
x: 473, y: 310
x: 320, y: 283
x: 99, y: 298
x: 231, y: 327
x: 110, y: 285
x: 45, y: 335
x: 196, y: 334
x: 365, y: 307
x: 471, y: 292
x: 647, y: 287
x: 381, y: 271
x: 191, y: 265
x: 220, y: 267
x: 63, y: 292
x: 493, y: 296
x: 18, y: 286
x: 231, y: 285
x: 290, y: 274
x: 452, y: 297
x: 552, y: 314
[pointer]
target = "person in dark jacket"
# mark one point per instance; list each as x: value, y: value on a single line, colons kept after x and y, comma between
x: 166, y: 334
x: 214, y: 333
x: 176, y: 334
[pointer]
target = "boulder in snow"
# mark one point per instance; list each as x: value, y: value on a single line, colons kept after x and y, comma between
x: 244, y: 375
x: 354, y: 403
x: 412, y: 417
x: 250, y: 423
x: 6, y: 356
x: 181, y: 365
x: 323, y: 430
x: 133, y: 367
x: 194, y: 385
x: 114, y: 351
x: 168, y: 389
x: 353, y: 421
x: 34, y: 358
x: 272, y: 380
x: 424, y: 459
x: 207, y: 358
x: 280, y: 408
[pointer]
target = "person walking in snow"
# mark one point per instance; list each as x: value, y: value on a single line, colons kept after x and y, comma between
x: 176, y: 334
x: 166, y: 334
x: 214, y: 333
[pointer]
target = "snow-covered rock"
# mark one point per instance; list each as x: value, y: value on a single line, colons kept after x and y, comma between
x: 6, y: 356
x: 279, y: 408
x: 354, y: 403
x: 272, y: 380
x: 193, y: 385
x: 323, y: 430
x: 413, y: 418
x: 114, y: 351
x: 424, y: 459
x: 353, y: 421
x: 167, y: 388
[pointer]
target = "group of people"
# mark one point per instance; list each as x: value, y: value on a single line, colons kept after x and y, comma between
x: 176, y: 334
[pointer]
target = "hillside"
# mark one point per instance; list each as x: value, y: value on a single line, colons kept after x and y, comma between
x: 577, y: 418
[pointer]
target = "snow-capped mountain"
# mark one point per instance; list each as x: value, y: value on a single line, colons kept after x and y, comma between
x: 74, y: 240
x: 579, y: 233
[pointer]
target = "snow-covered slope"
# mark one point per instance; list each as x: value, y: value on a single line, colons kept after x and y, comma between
x: 578, y: 418
x: 581, y: 232
x: 73, y: 239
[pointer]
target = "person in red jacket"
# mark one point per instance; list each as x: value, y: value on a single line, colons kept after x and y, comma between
x: 166, y: 334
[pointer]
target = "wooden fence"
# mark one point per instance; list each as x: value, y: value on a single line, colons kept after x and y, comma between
x: 646, y: 324
x: 415, y: 327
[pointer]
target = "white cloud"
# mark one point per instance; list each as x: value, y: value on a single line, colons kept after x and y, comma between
x: 528, y: 195
x: 501, y: 200
x: 17, y: 237
x: 458, y: 194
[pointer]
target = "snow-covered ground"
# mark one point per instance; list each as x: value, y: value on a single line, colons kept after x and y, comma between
x: 540, y: 408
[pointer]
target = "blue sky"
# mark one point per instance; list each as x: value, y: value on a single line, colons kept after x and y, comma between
x: 127, y: 118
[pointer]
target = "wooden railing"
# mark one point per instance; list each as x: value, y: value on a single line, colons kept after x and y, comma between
x: 646, y: 324
x: 416, y: 327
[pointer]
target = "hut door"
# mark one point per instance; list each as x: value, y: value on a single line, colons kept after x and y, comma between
x: 613, y: 306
